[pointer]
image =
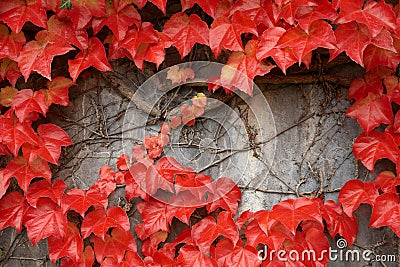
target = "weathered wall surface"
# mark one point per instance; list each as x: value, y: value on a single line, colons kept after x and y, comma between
x: 304, y: 151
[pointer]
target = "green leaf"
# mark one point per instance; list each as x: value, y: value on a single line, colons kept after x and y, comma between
x: 66, y: 4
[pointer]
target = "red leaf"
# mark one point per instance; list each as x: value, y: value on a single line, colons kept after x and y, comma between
x: 376, y: 15
x: 26, y: 101
x: 177, y: 75
x: 185, y: 31
x: 69, y: 246
x: 387, y: 181
x: 226, y: 195
x: 25, y: 171
x: 10, y: 43
x: 306, y: 14
x: 284, y: 58
x: 192, y: 256
x: 65, y: 29
x: 168, y: 167
x: 9, y: 69
x: 82, y: 12
x: 371, y: 111
x: 207, y: 230
x: 14, y: 133
x: 375, y: 56
x: 393, y: 88
x: 45, y: 220
x: 360, y: 87
x: 255, y: 235
x: 118, y: 19
x: 51, y: 139
x: 114, y: 245
x: 352, y: 38
x: 197, y: 184
x: 302, y: 43
x: 355, y: 192
x: 155, y: 218
x: 241, y: 69
x: 57, y: 92
x: 136, y: 38
x: 149, y: 179
x: 123, y: 162
x: 258, y: 11
x: 369, y: 147
x: 43, y: 188
x: 132, y: 189
x: 16, y: 13
x: 225, y: 33
x: 81, y: 200
x: 86, y: 260
x: 4, y: 182
x: 150, y: 245
x: 98, y: 222
x: 339, y: 222
x: 291, y: 212
x: 386, y: 212
x: 37, y: 55
x: 229, y: 255
x: 94, y: 56
x: 12, y: 207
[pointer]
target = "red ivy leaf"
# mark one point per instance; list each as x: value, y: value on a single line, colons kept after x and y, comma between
x: 94, y: 56
x: 226, y: 195
x: 360, y: 87
x: 57, y: 92
x: 192, y: 256
x: 352, y: 38
x: 37, y: 55
x: 185, y: 31
x: 291, y: 212
x: 387, y: 181
x: 16, y: 13
x: 118, y: 18
x: 375, y: 56
x: 123, y: 162
x: 225, y: 33
x: 386, y: 212
x: 355, y: 192
x: 26, y: 101
x: 371, y: 111
x: 10, y: 43
x: 339, y: 222
x: 82, y: 12
x: 81, y: 200
x: 51, y: 139
x: 65, y: 29
x: 393, y: 88
x: 14, y: 133
x: 69, y: 246
x: 98, y: 222
x: 114, y: 245
x: 86, y: 260
x: 241, y: 69
x: 376, y: 15
x: 45, y: 220
x: 12, y: 207
x: 302, y: 43
x: 369, y: 147
x: 284, y: 57
x: 25, y: 171
x: 43, y: 188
